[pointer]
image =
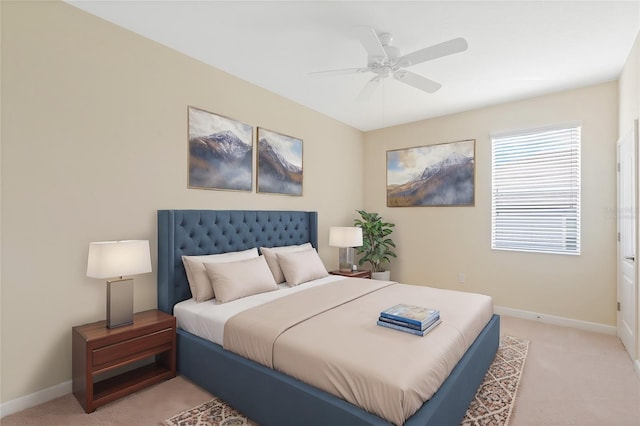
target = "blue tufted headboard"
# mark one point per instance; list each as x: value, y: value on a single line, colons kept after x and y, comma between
x: 199, y: 232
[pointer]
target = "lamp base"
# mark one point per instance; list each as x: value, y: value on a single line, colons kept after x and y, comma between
x: 119, y: 302
x: 346, y: 258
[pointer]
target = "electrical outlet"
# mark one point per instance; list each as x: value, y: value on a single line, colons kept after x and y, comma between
x: 461, y: 277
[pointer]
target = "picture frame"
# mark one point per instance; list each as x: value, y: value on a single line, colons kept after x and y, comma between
x: 432, y: 175
x: 279, y: 161
x: 220, y: 152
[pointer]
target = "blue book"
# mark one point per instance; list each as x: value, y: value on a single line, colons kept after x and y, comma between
x: 409, y: 325
x: 409, y: 330
x: 410, y: 314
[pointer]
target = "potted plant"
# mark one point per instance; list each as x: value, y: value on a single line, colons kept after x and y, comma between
x: 376, y: 247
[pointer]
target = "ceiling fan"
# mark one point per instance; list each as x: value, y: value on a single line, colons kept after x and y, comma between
x: 385, y: 60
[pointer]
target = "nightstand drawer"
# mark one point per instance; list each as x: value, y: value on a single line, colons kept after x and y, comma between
x: 131, y: 348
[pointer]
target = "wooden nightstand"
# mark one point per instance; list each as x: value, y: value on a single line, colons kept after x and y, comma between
x: 101, y: 356
x: 352, y: 274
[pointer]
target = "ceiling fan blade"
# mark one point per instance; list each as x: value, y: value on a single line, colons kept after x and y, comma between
x: 369, y: 88
x: 370, y: 40
x: 339, y: 72
x: 417, y: 81
x: 433, y: 52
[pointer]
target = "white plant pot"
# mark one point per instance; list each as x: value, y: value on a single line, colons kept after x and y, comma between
x: 382, y: 276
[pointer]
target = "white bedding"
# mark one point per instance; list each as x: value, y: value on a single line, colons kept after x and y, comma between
x: 207, y: 319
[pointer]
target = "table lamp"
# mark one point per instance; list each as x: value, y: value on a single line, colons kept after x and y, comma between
x: 109, y: 259
x: 346, y: 238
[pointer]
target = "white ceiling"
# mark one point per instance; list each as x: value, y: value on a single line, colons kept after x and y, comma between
x: 517, y: 49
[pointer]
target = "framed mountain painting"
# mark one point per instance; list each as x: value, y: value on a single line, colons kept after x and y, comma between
x: 432, y: 175
x: 220, y: 152
x: 279, y: 163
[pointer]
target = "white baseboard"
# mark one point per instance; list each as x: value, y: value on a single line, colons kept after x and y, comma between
x: 35, y: 398
x: 552, y: 319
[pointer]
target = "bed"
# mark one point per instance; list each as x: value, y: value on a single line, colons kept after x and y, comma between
x: 263, y: 394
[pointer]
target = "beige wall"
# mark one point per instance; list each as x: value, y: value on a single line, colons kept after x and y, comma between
x: 437, y: 243
x: 629, y: 94
x: 629, y: 90
x: 94, y: 126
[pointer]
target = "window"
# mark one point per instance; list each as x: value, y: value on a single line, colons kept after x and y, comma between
x: 536, y: 190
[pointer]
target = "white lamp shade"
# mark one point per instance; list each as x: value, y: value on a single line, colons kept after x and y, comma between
x: 345, y: 236
x: 110, y: 259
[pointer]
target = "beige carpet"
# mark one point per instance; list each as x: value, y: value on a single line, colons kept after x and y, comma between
x: 491, y: 405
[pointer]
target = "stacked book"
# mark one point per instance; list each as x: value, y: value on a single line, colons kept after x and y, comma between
x: 410, y: 319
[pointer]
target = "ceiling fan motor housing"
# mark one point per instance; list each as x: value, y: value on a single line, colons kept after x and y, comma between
x: 384, y: 66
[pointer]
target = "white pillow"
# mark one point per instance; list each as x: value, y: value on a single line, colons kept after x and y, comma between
x: 301, y: 266
x: 234, y: 280
x: 199, y: 283
x: 272, y: 260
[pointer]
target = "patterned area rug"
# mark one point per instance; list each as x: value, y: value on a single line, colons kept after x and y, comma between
x: 492, y: 404
x: 495, y: 397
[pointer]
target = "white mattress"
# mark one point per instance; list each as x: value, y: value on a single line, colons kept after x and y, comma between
x: 207, y: 319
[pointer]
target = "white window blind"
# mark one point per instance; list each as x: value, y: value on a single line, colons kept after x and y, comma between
x: 536, y: 191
